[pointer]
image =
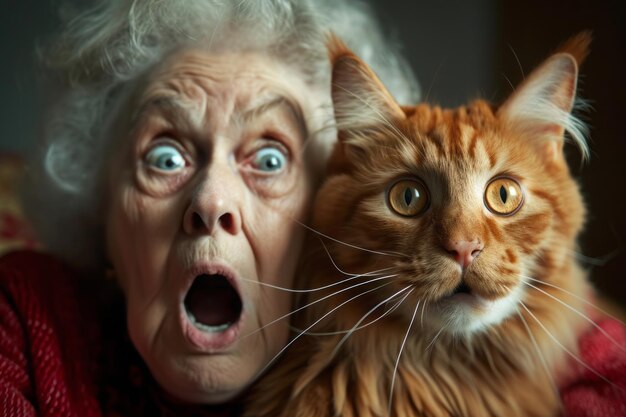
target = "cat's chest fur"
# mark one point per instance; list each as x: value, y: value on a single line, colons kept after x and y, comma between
x: 502, y: 372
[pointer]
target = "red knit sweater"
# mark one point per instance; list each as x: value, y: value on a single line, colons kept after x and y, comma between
x: 62, y: 354
x: 64, y: 351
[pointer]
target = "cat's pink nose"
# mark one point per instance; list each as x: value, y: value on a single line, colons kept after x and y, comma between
x: 464, y: 252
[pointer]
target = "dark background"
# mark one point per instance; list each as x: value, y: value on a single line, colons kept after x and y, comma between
x: 459, y: 50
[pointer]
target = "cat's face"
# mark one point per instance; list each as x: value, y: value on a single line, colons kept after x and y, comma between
x: 468, y: 203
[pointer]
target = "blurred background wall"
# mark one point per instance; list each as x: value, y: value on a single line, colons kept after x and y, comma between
x: 459, y: 50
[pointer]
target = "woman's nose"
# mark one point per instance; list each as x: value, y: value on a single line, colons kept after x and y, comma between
x: 215, y: 205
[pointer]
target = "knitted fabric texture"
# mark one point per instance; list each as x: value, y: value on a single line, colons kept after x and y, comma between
x: 59, y: 356
x: 600, y: 390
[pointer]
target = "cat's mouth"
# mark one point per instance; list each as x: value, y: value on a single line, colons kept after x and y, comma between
x: 212, y: 303
x: 462, y: 288
x: 462, y: 293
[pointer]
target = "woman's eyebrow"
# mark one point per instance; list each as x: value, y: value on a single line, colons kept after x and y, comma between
x: 273, y: 102
x: 179, y: 110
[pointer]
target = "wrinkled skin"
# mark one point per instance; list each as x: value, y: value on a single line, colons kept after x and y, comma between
x: 192, y: 190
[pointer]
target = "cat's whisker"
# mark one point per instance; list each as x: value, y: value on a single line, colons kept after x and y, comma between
x: 433, y: 81
x: 388, y: 253
x: 397, y: 304
x: 334, y: 284
x: 349, y: 273
x: 395, y: 368
x: 318, y: 301
x: 385, y: 314
x: 542, y: 357
x: 519, y: 64
x: 508, y: 81
x: 579, y: 313
x: 432, y: 342
x: 356, y: 326
x: 314, y: 324
x: 569, y: 352
x: 589, y: 303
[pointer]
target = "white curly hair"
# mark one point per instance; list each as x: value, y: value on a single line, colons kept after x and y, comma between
x: 103, y: 49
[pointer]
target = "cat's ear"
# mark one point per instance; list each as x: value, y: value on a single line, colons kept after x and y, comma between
x: 360, y: 99
x: 542, y: 106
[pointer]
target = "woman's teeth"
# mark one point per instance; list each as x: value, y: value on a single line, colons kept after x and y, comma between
x: 205, y: 327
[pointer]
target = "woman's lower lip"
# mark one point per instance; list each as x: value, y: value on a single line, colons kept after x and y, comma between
x: 207, y: 341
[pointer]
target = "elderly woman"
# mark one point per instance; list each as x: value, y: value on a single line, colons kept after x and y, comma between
x: 177, y: 163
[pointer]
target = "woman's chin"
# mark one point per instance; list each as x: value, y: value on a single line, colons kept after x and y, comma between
x: 203, y: 379
x: 206, y: 366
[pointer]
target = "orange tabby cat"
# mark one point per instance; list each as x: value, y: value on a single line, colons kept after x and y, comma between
x: 451, y: 231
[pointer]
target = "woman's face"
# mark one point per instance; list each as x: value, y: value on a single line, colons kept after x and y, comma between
x: 204, y: 191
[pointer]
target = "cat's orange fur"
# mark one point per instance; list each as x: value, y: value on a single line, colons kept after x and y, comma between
x: 508, y: 368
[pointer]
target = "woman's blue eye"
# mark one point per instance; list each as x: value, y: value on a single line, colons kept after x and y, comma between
x: 165, y: 158
x: 269, y: 159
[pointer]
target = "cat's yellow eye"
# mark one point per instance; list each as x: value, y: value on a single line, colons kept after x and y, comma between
x: 408, y: 197
x: 504, y: 196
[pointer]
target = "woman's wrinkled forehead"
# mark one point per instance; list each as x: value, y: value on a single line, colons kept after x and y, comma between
x: 226, y: 87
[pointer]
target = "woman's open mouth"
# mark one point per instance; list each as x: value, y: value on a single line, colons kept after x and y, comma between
x: 212, y: 303
x: 213, y: 310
